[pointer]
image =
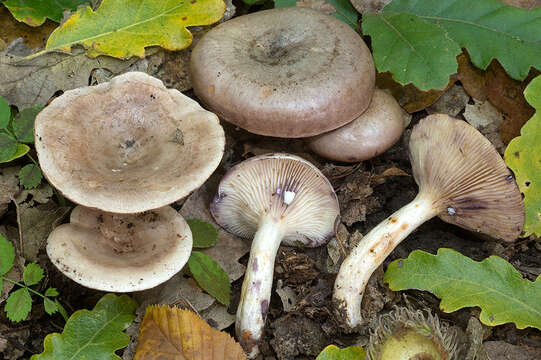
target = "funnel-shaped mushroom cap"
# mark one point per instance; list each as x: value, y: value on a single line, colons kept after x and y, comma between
x: 128, y: 145
x: 473, y: 187
x: 369, y: 135
x: 286, y: 187
x: 290, y: 72
x: 119, y: 252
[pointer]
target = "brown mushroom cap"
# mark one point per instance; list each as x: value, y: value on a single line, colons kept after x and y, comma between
x: 120, y: 252
x: 128, y: 145
x: 286, y: 187
x: 288, y: 72
x: 473, y: 187
x: 376, y: 130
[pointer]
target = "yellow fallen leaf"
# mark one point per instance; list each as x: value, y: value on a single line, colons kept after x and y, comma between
x: 170, y: 333
x: 123, y: 28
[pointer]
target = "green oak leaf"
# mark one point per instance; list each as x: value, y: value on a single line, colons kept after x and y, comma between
x: 210, y: 276
x: 7, y: 256
x: 23, y: 124
x: 488, y: 29
x: 343, y: 10
x: 32, y: 274
x: 30, y: 176
x: 493, y: 284
x: 18, y: 305
x: 5, y: 113
x: 92, y: 334
x: 413, y: 50
x: 333, y: 352
x: 34, y: 13
x: 523, y: 156
x: 204, y: 234
x: 8, y: 147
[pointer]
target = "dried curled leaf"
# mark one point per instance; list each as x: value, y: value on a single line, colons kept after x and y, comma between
x: 169, y: 333
x: 523, y: 156
x: 137, y: 24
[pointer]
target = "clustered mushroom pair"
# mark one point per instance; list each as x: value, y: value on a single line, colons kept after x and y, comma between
x: 285, y: 72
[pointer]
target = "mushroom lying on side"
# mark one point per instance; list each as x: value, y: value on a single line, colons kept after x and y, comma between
x: 290, y: 72
x: 462, y: 179
x: 273, y: 198
x: 369, y: 135
x: 127, y: 146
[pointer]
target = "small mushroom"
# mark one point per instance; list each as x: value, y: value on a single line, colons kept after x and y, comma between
x: 462, y: 179
x: 121, y: 252
x: 273, y: 198
x: 289, y: 72
x: 405, y: 334
x: 369, y: 135
x: 128, y: 145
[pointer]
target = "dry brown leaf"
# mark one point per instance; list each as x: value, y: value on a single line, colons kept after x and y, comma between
x: 34, y: 37
x: 170, y: 333
x: 525, y: 4
x: 472, y: 78
x: 393, y: 171
x: 408, y: 96
x: 369, y: 6
x: 451, y: 102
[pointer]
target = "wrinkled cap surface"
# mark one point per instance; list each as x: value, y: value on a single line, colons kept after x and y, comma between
x: 121, y: 252
x: 461, y: 169
x: 369, y: 135
x: 284, y: 186
x: 128, y: 145
x: 289, y: 72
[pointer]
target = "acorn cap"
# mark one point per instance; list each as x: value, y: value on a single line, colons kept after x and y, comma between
x: 472, y: 188
x: 369, y: 135
x: 287, y: 187
x: 126, y: 146
x: 288, y: 72
x: 121, y: 252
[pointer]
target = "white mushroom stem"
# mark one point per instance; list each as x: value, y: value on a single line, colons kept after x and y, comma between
x: 370, y: 253
x: 256, y: 288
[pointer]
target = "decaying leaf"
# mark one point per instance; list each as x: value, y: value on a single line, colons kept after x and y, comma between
x: 523, y: 156
x: 487, y: 119
x: 34, y: 13
x: 138, y: 24
x: 500, y: 350
x: 34, y: 37
x: 451, y: 102
x: 175, y: 334
x: 32, y: 82
x: 472, y: 78
x: 493, y: 284
x: 369, y: 6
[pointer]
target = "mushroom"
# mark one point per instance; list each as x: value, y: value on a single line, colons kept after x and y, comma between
x: 288, y: 72
x: 273, y: 198
x: 461, y: 178
x: 405, y: 334
x: 376, y: 130
x: 121, y: 252
x: 128, y: 145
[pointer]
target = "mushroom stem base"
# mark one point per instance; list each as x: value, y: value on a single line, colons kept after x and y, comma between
x: 256, y: 288
x: 358, y: 267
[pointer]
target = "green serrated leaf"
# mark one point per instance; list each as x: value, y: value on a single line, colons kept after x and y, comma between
x: 18, y: 305
x: 32, y: 274
x: 413, y: 50
x: 488, y: 29
x: 30, y: 176
x: 7, y: 256
x: 210, y: 276
x: 8, y: 147
x: 94, y: 334
x: 5, y: 113
x: 344, y: 11
x: 34, y: 13
x: 523, y: 156
x: 137, y: 24
x: 52, y: 292
x: 493, y: 284
x: 22, y: 150
x: 49, y: 306
x: 23, y: 124
x: 204, y: 234
x: 333, y: 352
